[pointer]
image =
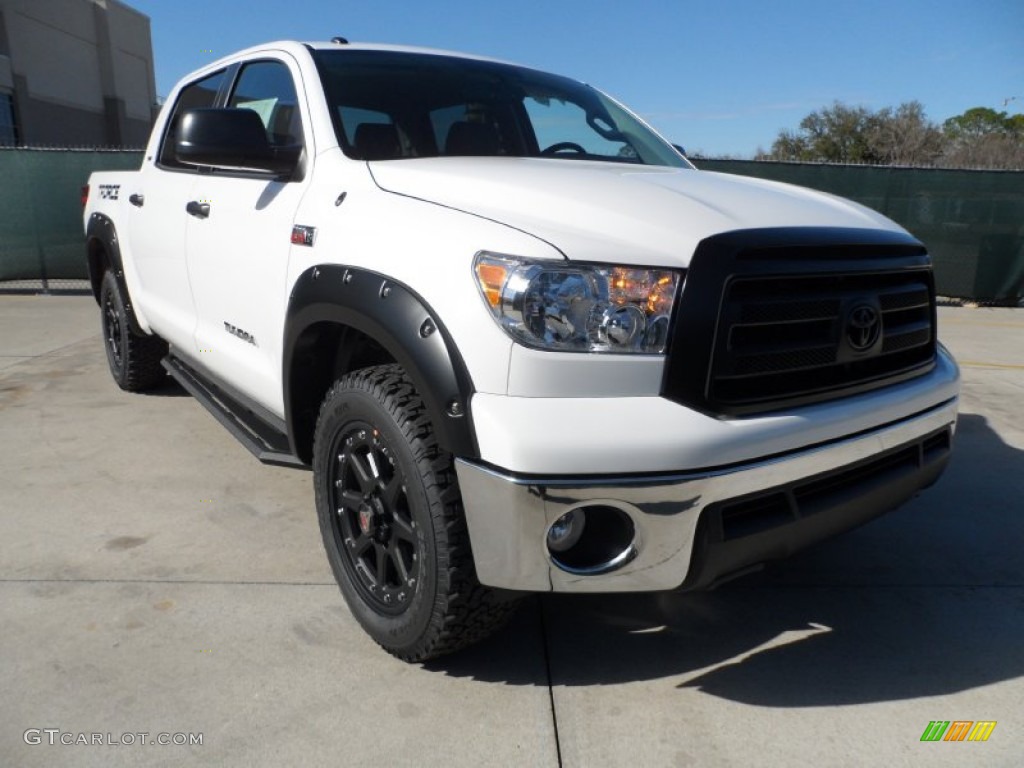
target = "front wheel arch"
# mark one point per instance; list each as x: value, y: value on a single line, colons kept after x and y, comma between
x: 333, y: 304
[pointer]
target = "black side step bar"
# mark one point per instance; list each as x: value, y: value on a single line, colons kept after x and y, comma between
x: 264, y: 441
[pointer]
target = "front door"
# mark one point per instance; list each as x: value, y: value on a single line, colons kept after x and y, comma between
x: 237, y: 249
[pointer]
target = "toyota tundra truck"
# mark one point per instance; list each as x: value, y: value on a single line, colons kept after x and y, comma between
x: 522, y: 343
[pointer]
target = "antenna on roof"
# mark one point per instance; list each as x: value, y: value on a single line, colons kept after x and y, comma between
x: 339, y: 40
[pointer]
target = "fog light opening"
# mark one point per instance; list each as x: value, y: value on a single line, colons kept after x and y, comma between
x: 591, y: 539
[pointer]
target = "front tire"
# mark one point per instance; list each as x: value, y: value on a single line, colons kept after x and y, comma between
x: 391, y: 518
x: 134, y: 359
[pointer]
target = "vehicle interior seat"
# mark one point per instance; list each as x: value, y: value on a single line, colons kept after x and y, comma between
x: 465, y: 138
x: 377, y: 141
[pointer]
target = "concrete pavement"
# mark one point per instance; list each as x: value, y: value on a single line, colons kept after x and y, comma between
x: 156, y: 578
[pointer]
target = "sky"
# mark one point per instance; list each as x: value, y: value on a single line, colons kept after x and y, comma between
x: 720, y: 77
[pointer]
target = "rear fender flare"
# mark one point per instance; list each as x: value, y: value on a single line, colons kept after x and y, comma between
x: 101, y: 229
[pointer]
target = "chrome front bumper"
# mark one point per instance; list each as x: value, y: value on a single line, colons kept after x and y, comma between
x: 683, y: 534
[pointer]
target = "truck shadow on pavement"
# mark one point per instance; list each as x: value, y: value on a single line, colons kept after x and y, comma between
x: 928, y: 600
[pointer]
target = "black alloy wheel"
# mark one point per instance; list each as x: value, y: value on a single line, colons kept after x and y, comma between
x: 372, y: 523
x: 392, y: 521
x: 113, y: 331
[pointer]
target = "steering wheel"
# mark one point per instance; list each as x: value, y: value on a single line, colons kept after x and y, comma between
x: 564, y: 146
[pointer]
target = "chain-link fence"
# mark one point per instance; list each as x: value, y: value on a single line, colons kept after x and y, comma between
x: 971, y: 221
x: 41, y: 242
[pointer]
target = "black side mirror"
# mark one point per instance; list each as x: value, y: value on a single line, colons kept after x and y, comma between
x: 679, y: 149
x: 231, y: 138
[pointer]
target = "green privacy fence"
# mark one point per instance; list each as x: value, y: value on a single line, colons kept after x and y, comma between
x: 971, y: 221
x: 41, y: 212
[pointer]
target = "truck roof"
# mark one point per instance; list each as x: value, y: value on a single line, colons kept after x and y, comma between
x: 296, y: 47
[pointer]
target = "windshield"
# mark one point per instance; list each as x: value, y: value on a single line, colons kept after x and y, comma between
x: 389, y: 106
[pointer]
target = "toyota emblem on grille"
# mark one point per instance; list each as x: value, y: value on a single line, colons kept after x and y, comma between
x: 863, y: 327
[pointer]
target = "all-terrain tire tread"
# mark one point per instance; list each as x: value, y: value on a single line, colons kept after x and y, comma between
x: 141, y: 354
x: 465, y: 611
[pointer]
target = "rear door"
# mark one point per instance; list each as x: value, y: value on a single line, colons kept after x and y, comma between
x: 157, y: 223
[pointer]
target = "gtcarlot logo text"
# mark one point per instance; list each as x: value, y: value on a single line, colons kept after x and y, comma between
x: 54, y: 736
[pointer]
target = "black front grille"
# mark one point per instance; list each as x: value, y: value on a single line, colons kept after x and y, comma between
x: 777, y: 318
x: 780, y: 337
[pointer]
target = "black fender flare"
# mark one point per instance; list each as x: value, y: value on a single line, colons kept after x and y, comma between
x: 401, y: 322
x: 101, y: 229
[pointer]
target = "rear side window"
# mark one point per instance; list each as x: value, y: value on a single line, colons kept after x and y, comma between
x: 202, y: 93
x: 266, y: 87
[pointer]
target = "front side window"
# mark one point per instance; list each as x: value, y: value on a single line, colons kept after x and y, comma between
x: 266, y: 87
x: 390, y: 105
x: 197, y: 95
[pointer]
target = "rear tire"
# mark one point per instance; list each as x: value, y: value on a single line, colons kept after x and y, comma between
x: 392, y: 521
x: 134, y: 359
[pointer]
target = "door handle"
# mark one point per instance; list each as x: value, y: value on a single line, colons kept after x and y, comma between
x: 137, y: 200
x: 197, y: 209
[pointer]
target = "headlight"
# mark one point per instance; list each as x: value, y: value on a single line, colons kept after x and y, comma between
x: 578, y: 307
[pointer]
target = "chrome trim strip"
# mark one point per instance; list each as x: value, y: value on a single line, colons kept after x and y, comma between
x: 614, y: 564
x: 508, y: 516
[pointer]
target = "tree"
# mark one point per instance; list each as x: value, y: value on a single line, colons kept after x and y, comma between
x: 844, y: 134
x: 905, y: 136
x: 836, y: 134
x: 979, y: 138
x: 980, y: 122
x: 984, y: 138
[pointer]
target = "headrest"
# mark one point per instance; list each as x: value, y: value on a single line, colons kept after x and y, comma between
x: 377, y: 141
x: 472, y: 139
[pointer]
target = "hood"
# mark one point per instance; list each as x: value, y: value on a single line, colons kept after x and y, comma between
x: 605, y: 212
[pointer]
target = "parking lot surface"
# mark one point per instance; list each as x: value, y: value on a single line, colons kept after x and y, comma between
x: 156, y: 579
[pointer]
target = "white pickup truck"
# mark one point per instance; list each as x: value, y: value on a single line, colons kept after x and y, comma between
x: 523, y: 343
